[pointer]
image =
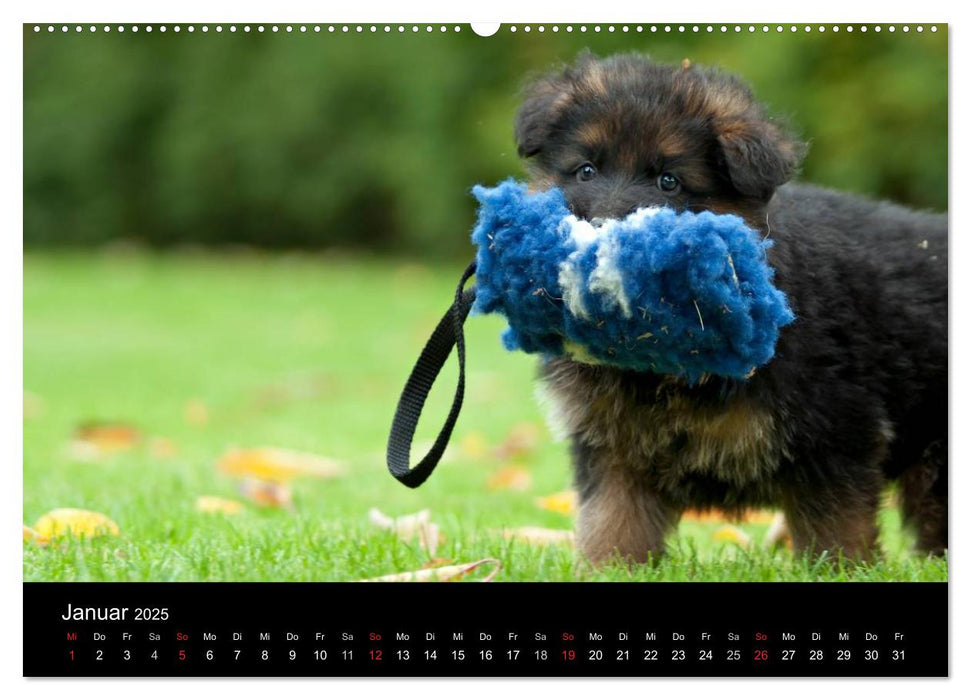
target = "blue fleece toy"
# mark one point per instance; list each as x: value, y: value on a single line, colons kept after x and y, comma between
x: 671, y: 293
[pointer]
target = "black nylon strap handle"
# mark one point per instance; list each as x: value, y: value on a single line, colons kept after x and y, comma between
x: 448, y: 333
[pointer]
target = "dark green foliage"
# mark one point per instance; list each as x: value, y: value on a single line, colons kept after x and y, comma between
x: 373, y: 140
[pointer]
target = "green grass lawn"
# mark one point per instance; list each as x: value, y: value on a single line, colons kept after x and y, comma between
x: 308, y: 353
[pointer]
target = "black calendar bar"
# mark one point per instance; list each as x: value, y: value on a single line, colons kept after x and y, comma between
x: 485, y: 629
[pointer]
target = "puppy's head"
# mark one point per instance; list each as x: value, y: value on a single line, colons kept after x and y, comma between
x: 624, y: 132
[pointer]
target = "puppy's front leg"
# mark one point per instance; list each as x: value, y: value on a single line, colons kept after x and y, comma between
x: 620, y: 515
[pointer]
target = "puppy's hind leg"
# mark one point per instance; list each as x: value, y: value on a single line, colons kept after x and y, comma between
x: 923, y: 493
x: 620, y: 515
x: 835, y: 521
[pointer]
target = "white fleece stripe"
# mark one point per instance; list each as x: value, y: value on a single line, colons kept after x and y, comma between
x: 571, y: 283
x: 641, y: 215
x: 581, y: 233
x: 606, y: 278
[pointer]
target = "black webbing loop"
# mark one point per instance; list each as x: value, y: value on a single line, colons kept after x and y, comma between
x: 423, y: 376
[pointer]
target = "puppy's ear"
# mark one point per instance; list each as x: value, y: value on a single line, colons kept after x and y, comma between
x: 758, y: 155
x: 543, y: 103
x: 546, y: 99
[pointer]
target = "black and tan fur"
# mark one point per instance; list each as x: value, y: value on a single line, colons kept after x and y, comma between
x: 857, y: 394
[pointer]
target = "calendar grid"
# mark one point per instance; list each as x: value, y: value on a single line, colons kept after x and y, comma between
x: 334, y: 629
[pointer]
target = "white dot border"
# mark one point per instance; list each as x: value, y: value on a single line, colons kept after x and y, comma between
x: 726, y: 29
x: 526, y: 29
x: 293, y: 29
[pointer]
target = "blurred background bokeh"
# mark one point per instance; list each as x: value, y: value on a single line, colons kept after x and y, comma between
x: 371, y: 141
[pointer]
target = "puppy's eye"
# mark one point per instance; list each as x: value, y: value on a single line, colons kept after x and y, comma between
x: 666, y: 182
x: 586, y: 172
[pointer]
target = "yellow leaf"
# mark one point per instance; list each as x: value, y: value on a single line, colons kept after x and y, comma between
x: 92, y: 441
x: 109, y: 437
x: 730, y: 533
x: 712, y: 515
x: 510, y: 478
x: 442, y: 573
x: 760, y: 517
x: 473, y: 445
x: 539, y: 535
x: 276, y: 464
x: 31, y: 535
x: 217, y: 504
x: 76, y: 523
x: 563, y: 502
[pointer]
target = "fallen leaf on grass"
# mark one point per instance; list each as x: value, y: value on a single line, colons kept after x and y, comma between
x: 109, y: 436
x: 441, y: 573
x: 510, y: 478
x: 730, y: 533
x: 539, y: 535
x: 93, y: 441
x: 218, y: 504
x: 33, y: 537
x: 473, y: 446
x: 277, y: 464
x: 758, y: 517
x: 268, y: 494
x: 76, y: 523
x: 267, y: 471
x: 714, y: 515
x: 522, y: 439
x: 564, y: 502
x: 437, y: 562
x: 410, y: 527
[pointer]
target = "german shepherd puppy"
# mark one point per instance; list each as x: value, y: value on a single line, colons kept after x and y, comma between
x: 856, y: 395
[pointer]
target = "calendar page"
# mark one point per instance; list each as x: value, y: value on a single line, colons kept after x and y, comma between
x: 547, y: 349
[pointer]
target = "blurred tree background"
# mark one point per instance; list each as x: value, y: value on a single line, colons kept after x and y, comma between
x: 372, y: 141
